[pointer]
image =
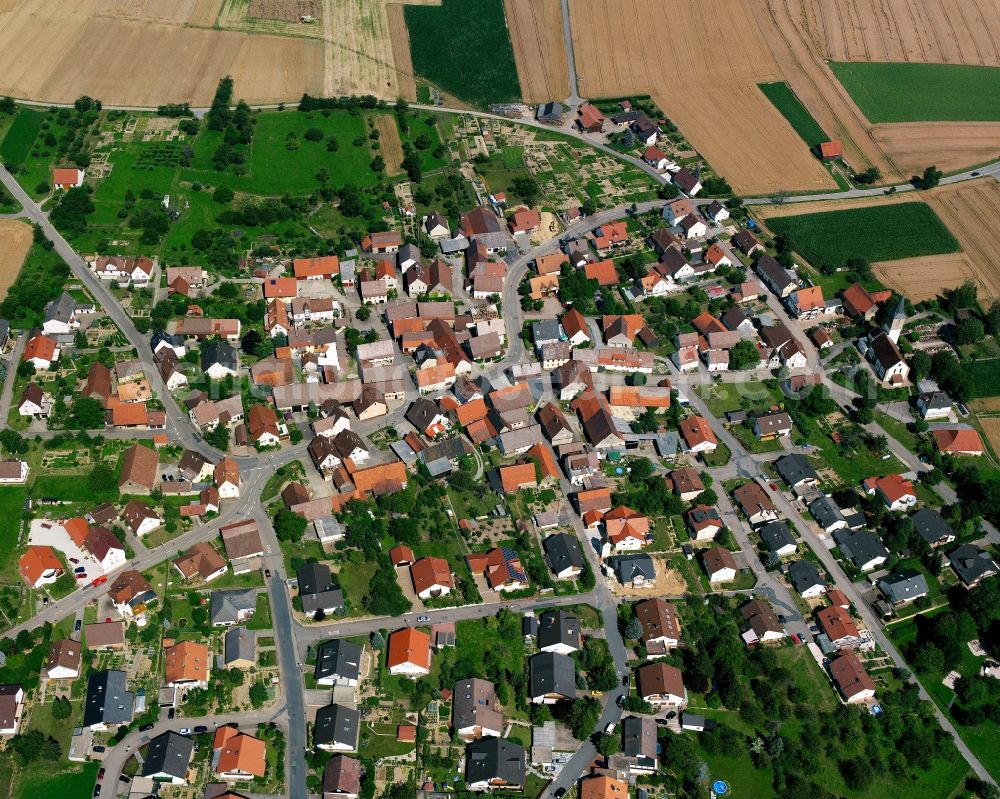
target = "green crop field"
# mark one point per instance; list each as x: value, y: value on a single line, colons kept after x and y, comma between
x: 21, y: 136
x: 984, y: 377
x: 783, y: 98
x: 875, y: 233
x: 897, y: 92
x: 463, y: 47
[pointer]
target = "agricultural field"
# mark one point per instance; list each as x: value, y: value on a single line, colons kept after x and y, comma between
x: 727, y: 118
x: 804, y: 35
x: 971, y: 211
x: 784, y: 99
x: 922, y: 92
x: 925, y: 277
x: 875, y: 233
x: 464, y: 48
x: 15, y: 241
x: 983, y: 376
x: 536, y: 34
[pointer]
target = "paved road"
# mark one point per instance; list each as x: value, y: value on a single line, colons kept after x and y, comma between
x: 992, y: 170
x: 13, y: 362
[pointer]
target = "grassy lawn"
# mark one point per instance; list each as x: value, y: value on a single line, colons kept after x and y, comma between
x: 70, y: 780
x: 261, y: 619
x: 751, y: 443
x: 304, y: 549
x: 898, y: 92
x: 720, y: 457
x: 355, y: 578
x: 876, y: 233
x: 467, y: 505
x: 68, y: 487
x: 754, y: 395
x: 274, y: 484
x: 381, y: 742
x: 783, y: 98
x: 473, y: 60
x: 11, y: 505
x: 851, y: 467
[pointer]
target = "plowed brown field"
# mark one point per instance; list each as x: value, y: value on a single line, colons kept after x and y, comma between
x: 15, y: 241
x: 971, y: 211
x: 701, y: 62
x: 390, y: 145
x: 536, y: 34
x: 924, y: 278
x: 802, y: 34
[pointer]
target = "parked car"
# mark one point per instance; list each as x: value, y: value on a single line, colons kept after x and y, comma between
x: 672, y: 714
x: 184, y: 731
x: 97, y: 790
x: 81, y: 576
x: 170, y: 713
x: 99, y: 749
x: 200, y: 729
x: 774, y: 486
x: 45, y: 601
x: 610, y: 728
x: 560, y: 793
x: 124, y: 778
x: 146, y: 727
x: 74, y: 560
x: 100, y: 774
x: 267, y: 573
x: 100, y: 580
x: 625, y: 680
x: 78, y: 625
x: 80, y: 569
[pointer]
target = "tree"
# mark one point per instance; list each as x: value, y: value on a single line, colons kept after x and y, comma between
x: 101, y: 479
x: 931, y: 178
x: 223, y: 195
x: 608, y: 745
x: 378, y: 164
x: 313, y: 134
x: 34, y: 745
x: 526, y: 187
x: 218, y: 437
x: 583, y: 716
x: 251, y: 342
x: 633, y: 629
x: 289, y: 526
x: 86, y: 413
x: 377, y: 641
x: 12, y: 442
x: 993, y: 318
x: 744, y: 355
x: 970, y: 331
x: 61, y: 708
x: 920, y: 365
x: 258, y: 694
x: 363, y: 313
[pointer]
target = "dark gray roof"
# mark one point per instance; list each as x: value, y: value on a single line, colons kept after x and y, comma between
x: 108, y: 700
x: 804, y: 575
x: 545, y: 330
x: 903, y: 585
x: 338, y: 658
x: 776, y: 535
x: 936, y: 400
x: 239, y: 645
x: 60, y: 309
x: 449, y: 449
x: 221, y: 353
x: 774, y: 273
x: 931, y: 526
x: 860, y: 547
x: 226, y: 605
x: 336, y: 724
x: 628, y: 567
x: 552, y: 673
x: 495, y: 759
x: 639, y: 736
x: 563, y: 551
x: 971, y: 563
x: 825, y: 511
x: 795, y: 468
x: 313, y: 578
x: 332, y: 599
x: 168, y: 753
x: 558, y: 627
x: 421, y: 413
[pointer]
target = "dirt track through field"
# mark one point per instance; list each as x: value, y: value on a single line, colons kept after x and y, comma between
x: 536, y: 34
x: 15, y: 241
x: 701, y: 62
x: 390, y: 146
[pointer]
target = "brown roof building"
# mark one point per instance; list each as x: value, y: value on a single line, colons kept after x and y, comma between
x: 139, y: 468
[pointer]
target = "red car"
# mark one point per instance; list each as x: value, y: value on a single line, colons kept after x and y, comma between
x: 99, y: 580
x: 80, y: 576
x: 774, y: 486
x: 100, y: 775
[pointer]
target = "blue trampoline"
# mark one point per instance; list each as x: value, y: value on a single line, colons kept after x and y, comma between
x: 720, y: 787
